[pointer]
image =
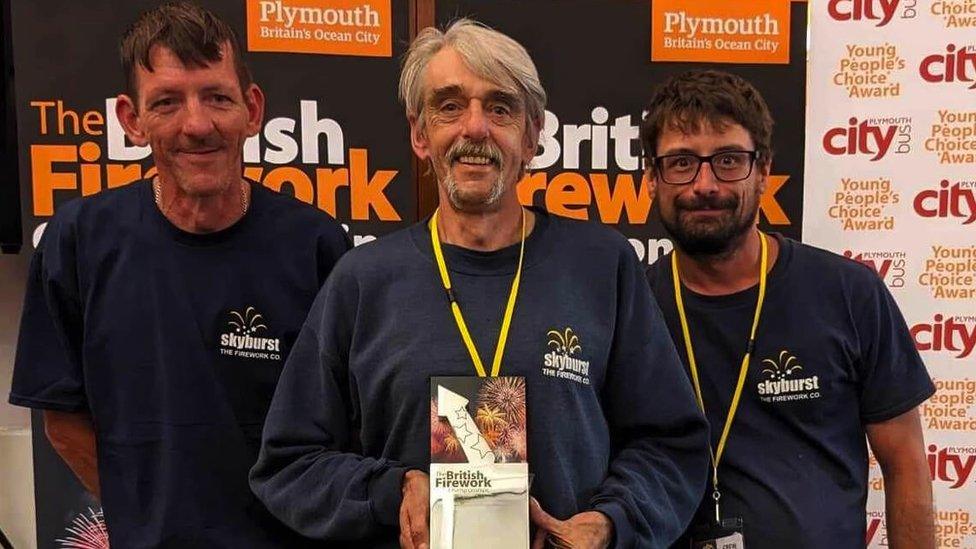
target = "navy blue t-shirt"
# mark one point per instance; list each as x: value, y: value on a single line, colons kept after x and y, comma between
x: 174, y: 343
x: 833, y: 354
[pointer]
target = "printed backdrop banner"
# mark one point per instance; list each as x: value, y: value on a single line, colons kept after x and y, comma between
x: 891, y: 168
x: 890, y: 160
x: 597, y: 62
x: 334, y: 136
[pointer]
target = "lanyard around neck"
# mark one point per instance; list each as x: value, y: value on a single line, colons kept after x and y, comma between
x: 743, y: 368
x: 496, y: 363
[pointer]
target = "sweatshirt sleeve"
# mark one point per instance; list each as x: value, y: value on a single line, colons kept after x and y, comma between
x: 659, y: 460
x: 309, y: 473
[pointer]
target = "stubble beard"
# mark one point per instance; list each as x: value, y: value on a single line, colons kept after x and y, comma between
x: 712, y: 240
x: 465, y: 202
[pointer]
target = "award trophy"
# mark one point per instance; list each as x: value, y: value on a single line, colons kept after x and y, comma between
x: 479, y: 474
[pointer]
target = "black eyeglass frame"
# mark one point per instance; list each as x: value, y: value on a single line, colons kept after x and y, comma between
x: 658, y: 160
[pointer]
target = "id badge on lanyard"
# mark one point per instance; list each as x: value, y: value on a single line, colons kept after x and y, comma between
x: 726, y: 535
x: 720, y: 533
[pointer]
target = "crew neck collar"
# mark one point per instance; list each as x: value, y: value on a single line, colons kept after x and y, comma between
x: 164, y: 225
x: 747, y: 296
x: 503, y: 261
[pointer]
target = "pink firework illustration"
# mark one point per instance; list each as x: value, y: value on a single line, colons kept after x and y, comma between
x: 516, y: 441
x: 439, y: 429
x: 506, y: 394
x: 511, y: 446
x: 444, y: 447
x: 87, y: 531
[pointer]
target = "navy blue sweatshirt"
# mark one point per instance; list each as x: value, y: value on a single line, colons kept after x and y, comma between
x: 351, y: 412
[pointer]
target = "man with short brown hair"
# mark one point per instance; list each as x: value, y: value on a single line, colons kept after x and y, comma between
x: 158, y: 315
x: 795, y: 353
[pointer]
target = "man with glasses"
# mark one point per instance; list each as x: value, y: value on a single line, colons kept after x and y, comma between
x: 794, y: 353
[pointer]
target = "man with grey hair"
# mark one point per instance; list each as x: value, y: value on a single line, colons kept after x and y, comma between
x: 617, y: 449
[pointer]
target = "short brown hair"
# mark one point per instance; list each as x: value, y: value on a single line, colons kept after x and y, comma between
x: 687, y: 100
x: 192, y: 33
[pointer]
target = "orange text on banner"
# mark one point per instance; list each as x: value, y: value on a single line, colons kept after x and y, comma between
x: 719, y: 31
x: 337, y: 27
x: 618, y: 199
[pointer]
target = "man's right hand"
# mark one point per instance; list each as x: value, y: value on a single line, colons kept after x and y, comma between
x: 415, y: 511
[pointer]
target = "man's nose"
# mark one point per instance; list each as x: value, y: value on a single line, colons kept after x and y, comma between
x: 197, y: 120
x: 475, y: 122
x: 705, y: 181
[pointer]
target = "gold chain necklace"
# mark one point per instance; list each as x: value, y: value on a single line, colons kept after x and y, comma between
x: 157, y: 194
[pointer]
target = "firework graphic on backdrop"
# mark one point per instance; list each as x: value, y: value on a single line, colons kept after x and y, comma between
x: 87, y: 531
x: 497, y: 405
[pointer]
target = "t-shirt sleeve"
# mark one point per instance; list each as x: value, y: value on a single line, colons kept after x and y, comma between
x: 48, y: 371
x: 893, y: 377
x: 659, y: 437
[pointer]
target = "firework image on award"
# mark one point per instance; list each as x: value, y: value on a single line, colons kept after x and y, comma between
x: 479, y: 474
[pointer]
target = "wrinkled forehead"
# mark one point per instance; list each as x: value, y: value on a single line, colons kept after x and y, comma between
x: 492, y: 75
x: 186, y: 57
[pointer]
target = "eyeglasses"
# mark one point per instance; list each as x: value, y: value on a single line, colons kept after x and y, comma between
x: 683, y: 168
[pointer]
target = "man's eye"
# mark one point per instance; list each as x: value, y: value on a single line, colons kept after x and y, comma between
x: 679, y: 162
x: 450, y: 107
x: 162, y: 103
x: 727, y: 160
x: 222, y: 98
x: 500, y: 110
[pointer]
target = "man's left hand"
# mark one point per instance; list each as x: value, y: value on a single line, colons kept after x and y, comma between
x: 590, y: 529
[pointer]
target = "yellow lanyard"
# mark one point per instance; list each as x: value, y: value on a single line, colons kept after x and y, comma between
x: 496, y: 363
x: 743, y: 369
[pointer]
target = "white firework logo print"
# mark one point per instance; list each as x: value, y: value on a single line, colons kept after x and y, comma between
x: 248, y: 323
x: 87, y: 531
x: 565, y: 342
x: 782, y: 368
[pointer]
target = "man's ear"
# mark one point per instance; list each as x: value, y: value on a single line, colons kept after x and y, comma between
x: 418, y: 138
x: 254, y: 100
x: 531, y: 145
x: 648, y: 175
x: 128, y: 115
x: 764, y: 170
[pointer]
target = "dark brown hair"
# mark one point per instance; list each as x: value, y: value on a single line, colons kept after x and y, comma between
x: 687, y: 100
x: 192, y: 33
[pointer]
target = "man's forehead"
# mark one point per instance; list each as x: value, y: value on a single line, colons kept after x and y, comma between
x: 166, y: 68
x: 684, y: 127
x: 448, y: 73
x: 160, y: 54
